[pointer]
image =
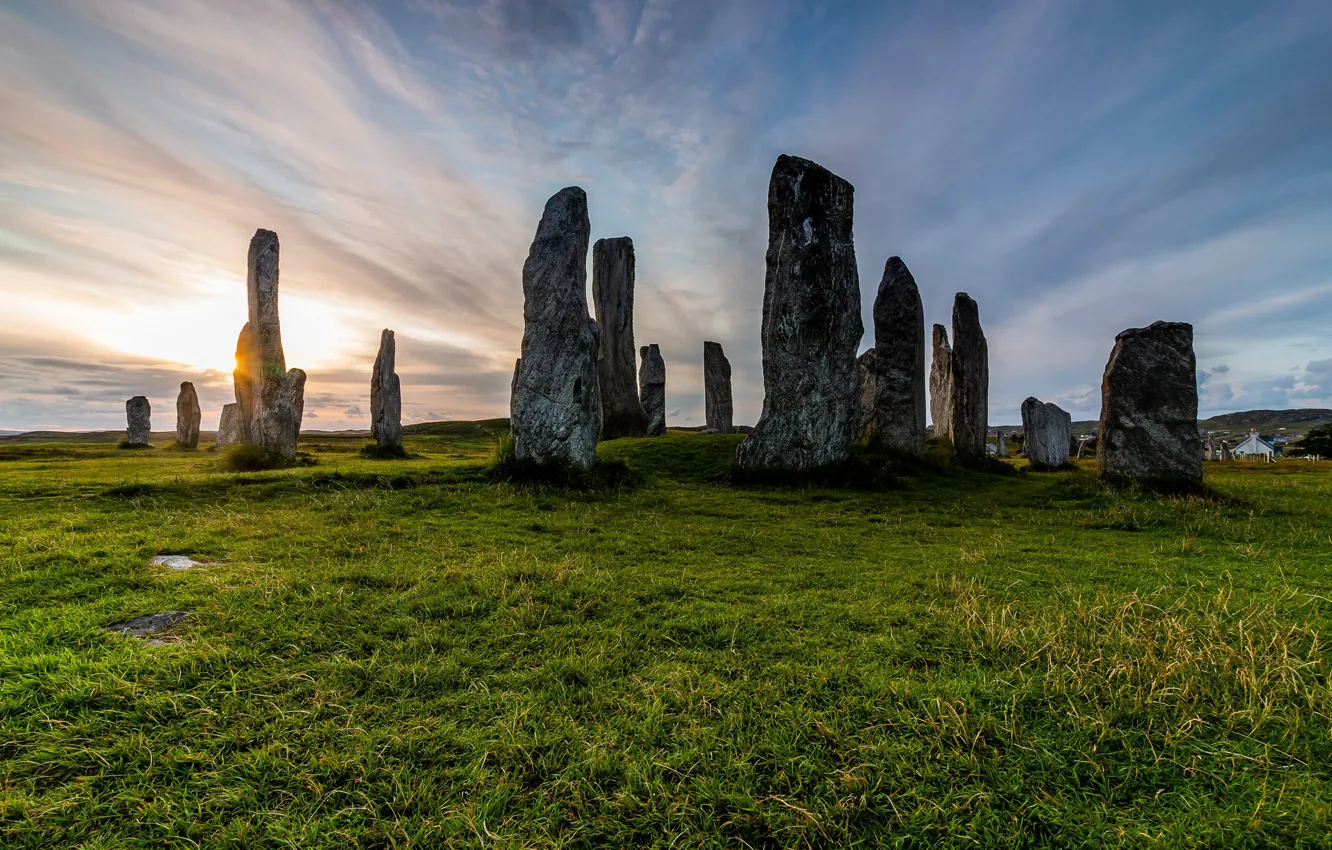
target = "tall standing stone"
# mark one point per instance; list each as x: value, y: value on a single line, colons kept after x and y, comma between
x: 386, y: 397
x: 865, y: 370
x: 229, y: 426
x: 652, y: 389
x: 969, y: 381
x: 1149, y: 410
x: 554, y: 411
x: 274, y: 416
x: 899, y: 343
x: 1000, y: 446
x: 622, y: 413
x: 245, y: 381
x: 718, y: 409
x: 188, y: 416
x: 811, y: 323
x: 138, y: 421
x: 941, y: 380
x: 1047, y: 434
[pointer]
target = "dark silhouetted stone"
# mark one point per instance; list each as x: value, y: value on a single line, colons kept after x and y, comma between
x: 899, y: 343
x: 138, y: 418
x: 622, y: 414
x: 865, y: 366
x: 941, y: 371
x: 386, y: 397
x: 554, y: 411
x: 652, y: 389
x: 1047, y: 434
x: 188, y: 416
x: 718, y: 411
x: 811, y: 324
x: 969, y: 381
x: 1149, y: 410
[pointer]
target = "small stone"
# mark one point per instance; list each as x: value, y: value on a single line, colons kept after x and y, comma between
x: 138, y: 414
x: 188, y: 416
x: 174, y: 562
x: 1149, y: 410
x: 229, y: 426
x: 1047, y: 434
x: 652, y: 389
x: 717, y: 407
x: 899, y: 342
x: 555, y: 408
x: 144, y: 626
x: 867, y: 394
x: 622, y: 413
x: 386, y: 397
x: 811, y: 324
x: 941, y: 370
x: 969, y: 381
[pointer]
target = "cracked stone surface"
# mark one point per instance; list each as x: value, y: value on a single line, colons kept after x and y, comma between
x: 175, y: 562
x: 150, y: 624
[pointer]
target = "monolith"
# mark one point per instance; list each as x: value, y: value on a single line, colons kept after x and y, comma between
x: 899, y: 343
x: 1047, y: 434
x: 188, y: 416
x: 969, y: 381
x: 652, y: 389
x: 245, y: 382
x: 1149, y: 410
x: 274, y: 414
x: 941, y: 368
x: 622, y: 413
x: 811, y: 324
x: 554, y: 411
x: 718, y: 409
x: 386, y: 397
x: 1226, y: 452
x: 229, y: 425
x: 1000, y: 446
x: 864, y: 411
x: 138, y: 414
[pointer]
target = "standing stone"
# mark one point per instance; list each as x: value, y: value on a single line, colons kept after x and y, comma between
x: 278, y: 401
x: 899, y: 343
x: 1000, y: 447
x: 865, y: 369
x: 386, y: 397
x: 718, y: 410
x: 941, y: 370
x: 652, y: 389
x: 969, y: 381
x: 138, y: 415
x: 1047, y: 433
x: 811, y: 324
x: 622, y: 413
x: 1149, y: 409
x: 229, y: 426
x: 555, y: 411
x: 1226, y: 452
x: 188, y: 416
x: 245, y: 380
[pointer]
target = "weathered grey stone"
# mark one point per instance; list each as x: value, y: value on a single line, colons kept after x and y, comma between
x: 622, y: 413
x: 275, y: 421
x: 188, y: 416
x: 245, y: 381
x: 718, y: 410
x: 555, y: 409
x: 1000, y: 445
x: 174, y: 562
x: 941, y: 370
x: 811, y: 324
x: 1149, y: 410
x: 1047, y: 433
x: 138, y: 416
x: 1226, y: 452
x: 969, y: 381
x: 867, y: 393
x: 229, y: 426
x: 386, y: 397
x: 144, y: 626
x: 899, y: 343
x: 652, y: 389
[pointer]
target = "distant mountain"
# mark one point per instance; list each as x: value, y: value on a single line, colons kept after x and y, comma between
x: 1294, y: 421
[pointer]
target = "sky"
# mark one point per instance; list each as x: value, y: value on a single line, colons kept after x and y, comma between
x: 1079, y: 168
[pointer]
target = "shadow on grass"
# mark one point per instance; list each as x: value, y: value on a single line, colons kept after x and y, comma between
x: 247, y: 457
x: 374, y: 451
x: 604, y: 475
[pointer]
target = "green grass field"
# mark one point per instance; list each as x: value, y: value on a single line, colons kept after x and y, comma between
x: 400, y: 653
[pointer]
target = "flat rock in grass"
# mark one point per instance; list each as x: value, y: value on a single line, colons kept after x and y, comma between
x: 138, y: 421
x: 175, y: 562
x: 150, y: 624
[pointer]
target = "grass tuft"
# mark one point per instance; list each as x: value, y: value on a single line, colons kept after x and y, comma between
x: 505, y: 467
x: 373, y: 451
x: 247, y: 457
x: 126, y: 444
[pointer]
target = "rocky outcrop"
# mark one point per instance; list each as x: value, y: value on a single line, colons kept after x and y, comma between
x: 718, y: 410
x: 555, y: 409
x: 188, y: 416
x: 941, y: 370
x: 622, y: 413
x: 1047, y: 434
x: 867, y: 394
x: 138, y: 419
x: 386, y: 397
x: 899, y: 343
x: 229, y: 426
x: 652, y: 389
x: 969, y: 381
x: 811, y: 324
x: 1149, y: 410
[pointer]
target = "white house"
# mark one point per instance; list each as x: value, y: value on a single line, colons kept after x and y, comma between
x: 1254, y: 447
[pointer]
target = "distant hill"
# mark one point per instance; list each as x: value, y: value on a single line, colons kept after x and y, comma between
x: 1294, y: 421
x: 474, y: 428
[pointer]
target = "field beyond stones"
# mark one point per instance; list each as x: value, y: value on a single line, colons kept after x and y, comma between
x: 400, y: 653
